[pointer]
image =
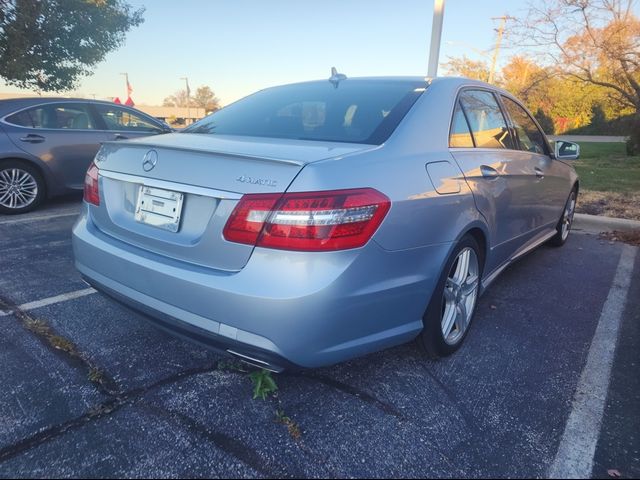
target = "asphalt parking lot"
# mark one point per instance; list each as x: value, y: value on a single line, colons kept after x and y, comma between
x: 90, y: 389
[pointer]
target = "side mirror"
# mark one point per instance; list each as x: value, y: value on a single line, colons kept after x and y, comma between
x: 567, y: 150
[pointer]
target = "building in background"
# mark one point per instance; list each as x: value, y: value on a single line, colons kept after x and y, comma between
x: 174, y: 116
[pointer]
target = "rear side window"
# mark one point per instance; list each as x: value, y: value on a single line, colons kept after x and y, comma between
x: 529, y: 136
x: 121, y: 119
x: 22, y: 119
x: 460, y: 135
x: 354, y: 111
x: 487, y: 123
x: 57, y: 116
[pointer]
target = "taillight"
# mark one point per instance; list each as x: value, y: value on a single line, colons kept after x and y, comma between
x: 91, y: 189
x: 311, y: 221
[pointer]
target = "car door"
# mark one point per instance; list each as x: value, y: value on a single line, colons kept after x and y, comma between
x: 550, y: 187
x: 121, y: 123
x: 61, y: 134
x: 498, y: 175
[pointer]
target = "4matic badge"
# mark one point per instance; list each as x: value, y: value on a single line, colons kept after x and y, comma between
x: 266, y: 182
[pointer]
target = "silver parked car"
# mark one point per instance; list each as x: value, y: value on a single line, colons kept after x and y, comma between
x: 47, y: 144
x: 311, y: 223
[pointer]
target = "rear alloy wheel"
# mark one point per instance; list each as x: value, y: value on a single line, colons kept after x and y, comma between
x: 21, y: 188
x: 453, y: 304
x: 566, y: 221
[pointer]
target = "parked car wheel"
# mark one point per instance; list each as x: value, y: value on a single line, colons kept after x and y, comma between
x: 453, y: 304
x: 22, y: 187
x: 566, y: 221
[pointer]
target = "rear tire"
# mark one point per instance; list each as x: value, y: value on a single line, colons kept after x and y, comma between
x: 22, y: 187
x: 563, y: 228
x: 453, y: 303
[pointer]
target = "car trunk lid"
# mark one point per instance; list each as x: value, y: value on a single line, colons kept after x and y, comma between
x: 172, y: 195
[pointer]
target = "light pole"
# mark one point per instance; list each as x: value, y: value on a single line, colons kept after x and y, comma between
x: 436, y: 36
x: 126, y: 79
x: 186, y: 81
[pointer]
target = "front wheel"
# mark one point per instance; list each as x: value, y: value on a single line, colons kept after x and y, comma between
x: 22, y: 187
x: 566, y: 221
x: 453, y: 304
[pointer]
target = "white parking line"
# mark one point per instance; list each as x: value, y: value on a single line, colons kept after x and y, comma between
x: 51, y: 300
x: 38, y: 217
x: 574, y: 458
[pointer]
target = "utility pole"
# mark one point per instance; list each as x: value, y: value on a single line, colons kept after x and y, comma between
x: 436, y: 36
x: 186, y: 81
x: 496, y: 50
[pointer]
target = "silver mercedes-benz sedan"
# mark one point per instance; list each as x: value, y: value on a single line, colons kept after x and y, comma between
x: 312, y: 223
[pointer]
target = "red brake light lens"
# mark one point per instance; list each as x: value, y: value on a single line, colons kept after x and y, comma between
x: 246, y: 220
x: 91, y: 189
x: 308, y: 221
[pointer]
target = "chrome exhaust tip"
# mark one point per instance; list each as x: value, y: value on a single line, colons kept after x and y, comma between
x: 254, y: 362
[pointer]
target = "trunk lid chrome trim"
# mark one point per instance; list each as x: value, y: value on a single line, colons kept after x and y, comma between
x: 167, y: 185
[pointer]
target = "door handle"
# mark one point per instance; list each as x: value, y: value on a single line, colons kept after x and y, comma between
x: 32, y: 138
x: 539, y: 173
x: 119, y: 136
x: 489, y: 172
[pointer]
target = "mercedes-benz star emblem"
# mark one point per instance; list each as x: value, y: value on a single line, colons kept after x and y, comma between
x: 149, y: 160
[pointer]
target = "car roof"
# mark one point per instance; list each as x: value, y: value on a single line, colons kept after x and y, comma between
x: 452, y: 83
x: 9, y: 105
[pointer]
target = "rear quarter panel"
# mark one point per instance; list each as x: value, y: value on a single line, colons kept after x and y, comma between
x: 419, y: 215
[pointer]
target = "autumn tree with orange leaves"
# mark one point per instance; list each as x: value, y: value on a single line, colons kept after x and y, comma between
x: 594, y: 42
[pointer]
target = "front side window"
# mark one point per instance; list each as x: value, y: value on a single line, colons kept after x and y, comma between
x: 353, y: 111
x: 529, y: 136
x: 121, y: 119
x: 460, y: 135
x: 487, y: 123
x: 57, y: 116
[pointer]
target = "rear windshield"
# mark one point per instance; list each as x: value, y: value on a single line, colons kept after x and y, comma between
x: 356, y: 111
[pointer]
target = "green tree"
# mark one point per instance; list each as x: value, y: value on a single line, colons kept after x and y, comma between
x: 598, y: 118
x: 545, y: 121
x: 48, y: 44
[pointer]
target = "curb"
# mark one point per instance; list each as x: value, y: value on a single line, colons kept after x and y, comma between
x: 589, y: 138
x: 596, y: 223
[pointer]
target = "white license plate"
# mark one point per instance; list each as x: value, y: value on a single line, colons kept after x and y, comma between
x: 159, y: 208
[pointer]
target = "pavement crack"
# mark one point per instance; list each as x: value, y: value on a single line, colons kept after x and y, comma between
x: 64, y: 348
x: 466, y: 417
x: 103, y: 409
x: 353, y: 391
x: 224, y: 442
x: 43, y: 436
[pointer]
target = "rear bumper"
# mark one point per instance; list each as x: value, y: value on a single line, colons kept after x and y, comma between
x: 286, y: 309
x: 257, y: 356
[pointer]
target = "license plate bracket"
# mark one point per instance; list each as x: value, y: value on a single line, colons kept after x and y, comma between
x: 159, y: 208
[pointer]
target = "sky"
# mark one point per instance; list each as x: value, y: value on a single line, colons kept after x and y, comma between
x: 239, y: 46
